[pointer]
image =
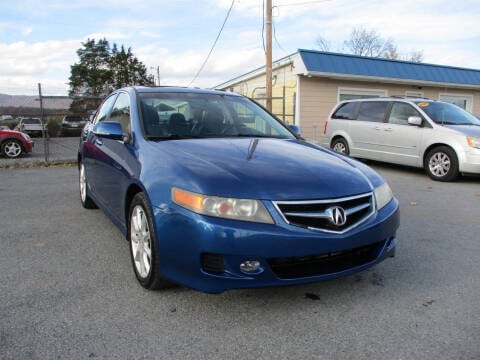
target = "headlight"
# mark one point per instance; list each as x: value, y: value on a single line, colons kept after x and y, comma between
x: 383, y: 195
x: 228, y: 208
x: 473, y: 141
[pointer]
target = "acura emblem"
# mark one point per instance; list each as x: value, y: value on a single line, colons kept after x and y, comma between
x: 337, y: 216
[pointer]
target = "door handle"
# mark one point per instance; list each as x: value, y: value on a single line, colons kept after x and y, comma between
x: 99, y: 141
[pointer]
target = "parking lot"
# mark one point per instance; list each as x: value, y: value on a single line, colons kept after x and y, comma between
x: 67, y: 288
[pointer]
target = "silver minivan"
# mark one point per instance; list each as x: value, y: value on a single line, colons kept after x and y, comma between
x: 441, y: 137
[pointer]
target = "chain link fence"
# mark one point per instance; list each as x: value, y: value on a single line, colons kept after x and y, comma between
x: 46, y: 151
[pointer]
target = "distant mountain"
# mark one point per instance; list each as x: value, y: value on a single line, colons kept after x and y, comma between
x: 30, y: 101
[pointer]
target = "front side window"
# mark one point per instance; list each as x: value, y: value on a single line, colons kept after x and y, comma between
x: 373, y: 111
x: 196, y: 115
x: 401, y: 112
x: 102, y: 113
x: 121, y: 112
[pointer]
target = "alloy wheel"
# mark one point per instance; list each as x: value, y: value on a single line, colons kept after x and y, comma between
x: 141, y: 242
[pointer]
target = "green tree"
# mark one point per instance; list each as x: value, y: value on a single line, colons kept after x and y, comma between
x: 100, y: 70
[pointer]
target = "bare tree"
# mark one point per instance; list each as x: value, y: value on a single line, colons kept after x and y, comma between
x: 365, y: 42
x: 323, y: 43
x: 416, y: 56
x: 368, y: 42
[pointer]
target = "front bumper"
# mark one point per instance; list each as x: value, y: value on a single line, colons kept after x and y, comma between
x: 471, y: 162
x: 206, y: 253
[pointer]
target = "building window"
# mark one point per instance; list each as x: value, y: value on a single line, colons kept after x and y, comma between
x: 462, y: 100
x: 414, y: 94
x: 351, y: 93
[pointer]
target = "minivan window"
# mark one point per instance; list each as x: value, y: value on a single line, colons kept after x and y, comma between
x: 401, y: 112
x: 373, y: 111
x: 346, y: 111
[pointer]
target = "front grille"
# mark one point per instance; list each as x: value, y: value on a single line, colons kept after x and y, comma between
x: 323, y: 264
x: 320, y: 214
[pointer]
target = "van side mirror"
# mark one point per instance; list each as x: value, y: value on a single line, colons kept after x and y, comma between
x: 415, y: 120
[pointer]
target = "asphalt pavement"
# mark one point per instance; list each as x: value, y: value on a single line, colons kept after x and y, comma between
x: 67, y: 288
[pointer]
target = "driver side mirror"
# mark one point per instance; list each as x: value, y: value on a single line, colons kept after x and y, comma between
x: 109, y: 130
x: 415, y: 120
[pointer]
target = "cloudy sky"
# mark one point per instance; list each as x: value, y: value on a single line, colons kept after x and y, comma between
x: 39, y: 39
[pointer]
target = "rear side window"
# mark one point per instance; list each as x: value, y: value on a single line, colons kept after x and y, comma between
x: 346, y: 111
x: 373, y: 111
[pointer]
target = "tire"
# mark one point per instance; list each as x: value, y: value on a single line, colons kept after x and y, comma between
x: 143, y: 245
x: 86, y: 201
x: 340, y: 145
x: 12, y: 148
x: 441, y: 164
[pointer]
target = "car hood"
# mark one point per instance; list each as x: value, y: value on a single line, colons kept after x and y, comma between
x: 470, y: 130
x: 261, y: 168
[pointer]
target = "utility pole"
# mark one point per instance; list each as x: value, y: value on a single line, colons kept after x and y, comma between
x: 268, y: 53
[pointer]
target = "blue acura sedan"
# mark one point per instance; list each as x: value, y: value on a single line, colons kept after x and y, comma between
x: 215, y: 193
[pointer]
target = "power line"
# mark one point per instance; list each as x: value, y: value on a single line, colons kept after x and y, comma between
x: 213, y: 46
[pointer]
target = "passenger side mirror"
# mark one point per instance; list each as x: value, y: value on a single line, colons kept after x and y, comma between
x: 109, y: 130
x: 415, y: 120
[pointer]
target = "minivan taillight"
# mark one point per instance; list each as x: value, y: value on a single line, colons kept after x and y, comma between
x: 325, y: 128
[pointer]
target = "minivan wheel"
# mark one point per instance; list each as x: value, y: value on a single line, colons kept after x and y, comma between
x: 340, y: 145
x: 441, y: 164
x: 143, y: 245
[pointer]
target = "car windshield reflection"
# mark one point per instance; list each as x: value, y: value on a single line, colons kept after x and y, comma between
x: 176, y: 116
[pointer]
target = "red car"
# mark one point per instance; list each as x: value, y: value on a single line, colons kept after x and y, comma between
x: 14, y: 144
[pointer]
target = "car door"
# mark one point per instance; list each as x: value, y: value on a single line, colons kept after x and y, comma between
x: 366, y: 131
x: 90, y: 151
x: 400, y: 141
x: 116, y: 162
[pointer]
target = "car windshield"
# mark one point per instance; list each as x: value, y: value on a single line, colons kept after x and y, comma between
x: 196, y: 115
x: 447, y: 114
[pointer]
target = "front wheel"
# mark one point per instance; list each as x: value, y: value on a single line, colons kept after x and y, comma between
x: 12, y: 148
x: 340, y: 145
x: 441, y: 164
x: 143, y: 245
x: 86, y: 201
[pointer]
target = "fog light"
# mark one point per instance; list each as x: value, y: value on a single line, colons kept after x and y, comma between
x: 250, y: 266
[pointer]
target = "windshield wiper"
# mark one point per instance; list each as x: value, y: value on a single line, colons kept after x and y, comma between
x: 258, y: 136
x: 454, y: 123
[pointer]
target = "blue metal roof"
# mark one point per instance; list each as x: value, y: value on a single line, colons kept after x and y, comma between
x: 344, y: 64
